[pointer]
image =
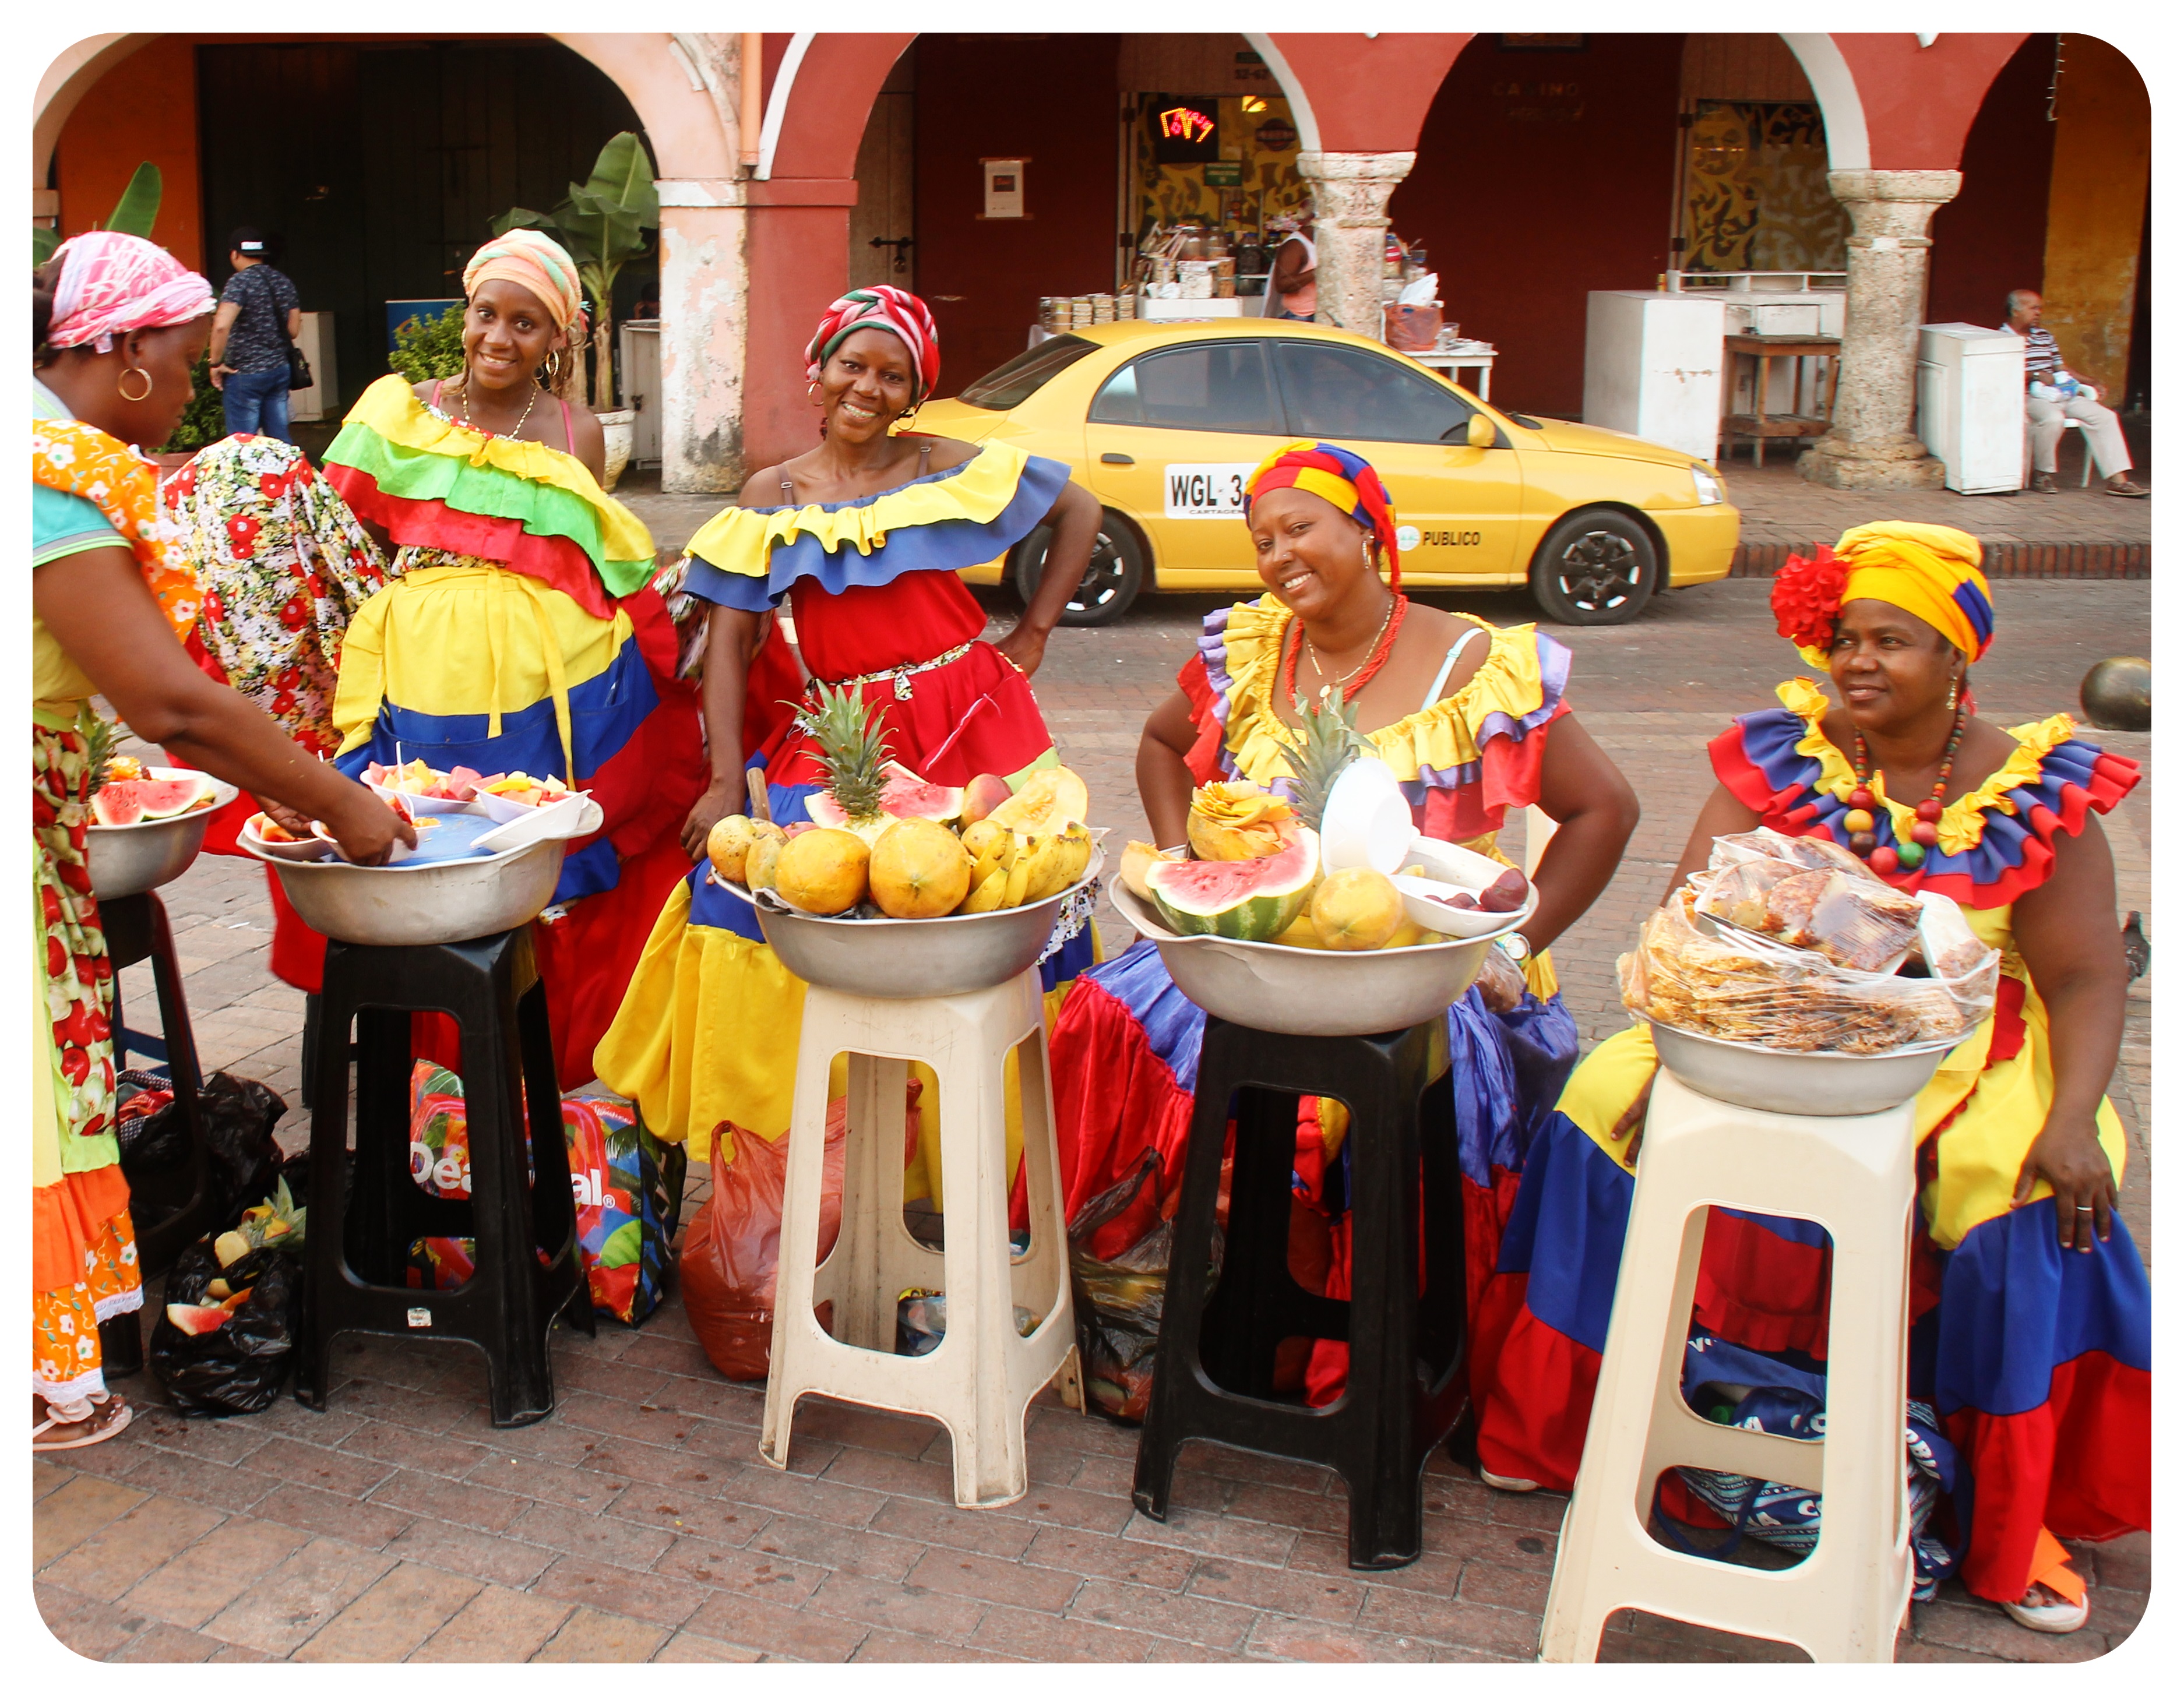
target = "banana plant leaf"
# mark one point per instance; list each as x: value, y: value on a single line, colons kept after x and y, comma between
x: 138, y: 208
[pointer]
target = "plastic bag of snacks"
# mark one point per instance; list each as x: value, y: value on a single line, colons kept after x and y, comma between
x: 627, y: 1185
x: 1717, y: 980
x: 1858, y: 922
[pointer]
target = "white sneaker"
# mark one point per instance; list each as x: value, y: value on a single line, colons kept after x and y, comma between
x: 1516, y: 1487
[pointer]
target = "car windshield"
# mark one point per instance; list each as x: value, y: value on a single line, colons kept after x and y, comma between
x: 1016, y: 382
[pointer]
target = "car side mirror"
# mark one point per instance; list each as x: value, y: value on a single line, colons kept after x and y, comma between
x: 1480, y: 432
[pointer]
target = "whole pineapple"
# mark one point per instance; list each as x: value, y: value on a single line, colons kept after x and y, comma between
x: 852, y: 747
x: 1328, y: 742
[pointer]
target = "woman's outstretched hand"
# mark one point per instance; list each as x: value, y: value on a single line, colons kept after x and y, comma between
x: 2069, y: 1155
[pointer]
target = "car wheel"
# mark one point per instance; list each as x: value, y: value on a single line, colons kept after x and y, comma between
x: 1112, y: 579
x: 1595, y: 568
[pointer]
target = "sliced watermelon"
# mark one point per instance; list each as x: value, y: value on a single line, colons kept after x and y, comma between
x: 1246, y: 900
x: 906, y: 796
x: 197, y: 1321
x: 139, y: 800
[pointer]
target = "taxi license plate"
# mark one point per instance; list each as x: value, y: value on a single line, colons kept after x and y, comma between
x: 1206, y: 490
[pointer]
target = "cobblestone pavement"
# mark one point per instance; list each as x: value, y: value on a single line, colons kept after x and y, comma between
x: 638, y: 1522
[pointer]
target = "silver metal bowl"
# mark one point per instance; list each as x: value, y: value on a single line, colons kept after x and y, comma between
x: 1309, y: 992
x: 399, y: 906
x: 127, y: 859
x: 905, y: 959
x: 1817, y: 1086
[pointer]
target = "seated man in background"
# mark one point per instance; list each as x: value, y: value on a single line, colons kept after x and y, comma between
x: 2052, y: 395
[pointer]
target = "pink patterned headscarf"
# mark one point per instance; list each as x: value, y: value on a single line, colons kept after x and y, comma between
x: 111, y: 284
x: 880, y: 308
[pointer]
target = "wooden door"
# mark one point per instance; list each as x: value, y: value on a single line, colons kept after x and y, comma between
x: 881, y: 222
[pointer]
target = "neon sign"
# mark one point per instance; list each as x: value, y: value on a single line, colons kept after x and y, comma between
x: 1186, y: 124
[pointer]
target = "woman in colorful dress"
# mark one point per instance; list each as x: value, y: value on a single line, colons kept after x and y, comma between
x: 1470, y: 718
x: 2030, y: 1337
x: 458, y: 589
x: 116, y: 326
x: 863, y: 535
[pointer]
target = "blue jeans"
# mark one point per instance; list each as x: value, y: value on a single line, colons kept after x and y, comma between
x: 256, y: 403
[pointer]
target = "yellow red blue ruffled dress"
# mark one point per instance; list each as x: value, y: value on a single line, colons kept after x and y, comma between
x: 2036, y: 1361
x: 523, y: 632
x: 1125, y: 1049
x: 708, y: 1033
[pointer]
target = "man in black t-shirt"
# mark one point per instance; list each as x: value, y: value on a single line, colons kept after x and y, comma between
x: 248, y: 354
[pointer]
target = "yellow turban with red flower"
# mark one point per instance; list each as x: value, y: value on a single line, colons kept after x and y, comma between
x: 1929, y: 571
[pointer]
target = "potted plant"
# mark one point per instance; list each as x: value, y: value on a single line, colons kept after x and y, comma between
x: 602, y: 224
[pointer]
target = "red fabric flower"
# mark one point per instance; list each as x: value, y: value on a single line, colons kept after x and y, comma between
x: 272, y: 485
x: 1807, y: 595
x: 294, y: 615
x: 241, y: 533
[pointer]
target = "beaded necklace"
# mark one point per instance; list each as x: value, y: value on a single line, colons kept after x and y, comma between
x: 1363, y: 673
x: 1886, y: 858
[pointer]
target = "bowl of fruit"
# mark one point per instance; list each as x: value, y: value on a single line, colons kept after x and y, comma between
x: 1262, y: 923
x: 899, y: 888
x: 148, y: 823
x: 462, y: 880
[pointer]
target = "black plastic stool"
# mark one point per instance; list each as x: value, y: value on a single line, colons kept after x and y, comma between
x: 527, y: 1267
x: 1214, y: 1370
x: 136, y: 929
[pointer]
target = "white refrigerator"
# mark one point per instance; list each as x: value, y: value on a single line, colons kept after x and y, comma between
x: 1652, y: 367
x: 1971, y: 406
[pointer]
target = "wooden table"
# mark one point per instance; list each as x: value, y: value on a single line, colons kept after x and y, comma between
x: 1759, y: 424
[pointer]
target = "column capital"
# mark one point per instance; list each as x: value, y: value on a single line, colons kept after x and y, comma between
x: 1857, y: 188
x: 1392, y: 168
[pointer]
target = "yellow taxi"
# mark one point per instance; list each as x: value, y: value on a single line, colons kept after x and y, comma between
x: 1164, y: 421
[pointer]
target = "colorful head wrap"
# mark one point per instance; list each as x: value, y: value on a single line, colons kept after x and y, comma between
x: 535, y: 261
x: 1929, y: 571
x: 880, y: 308
x: 1334, y: 474
x: 111, y: 284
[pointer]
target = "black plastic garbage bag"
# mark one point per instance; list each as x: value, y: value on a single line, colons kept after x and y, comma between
x: 237, y: 1116
x: 238, y: 1367
x: 1118, y: 1301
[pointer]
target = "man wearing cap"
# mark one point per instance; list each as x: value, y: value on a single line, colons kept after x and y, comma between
x: 249, y: 354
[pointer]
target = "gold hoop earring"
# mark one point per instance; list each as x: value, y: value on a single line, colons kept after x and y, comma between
x: 811, y: 392
x: 121, y: 382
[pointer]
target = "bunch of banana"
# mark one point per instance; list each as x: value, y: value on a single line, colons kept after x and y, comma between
x: 1010, y: 868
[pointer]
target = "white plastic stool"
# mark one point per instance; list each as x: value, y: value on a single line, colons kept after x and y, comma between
x: 982, y: 1375
x: 1844, y: 1601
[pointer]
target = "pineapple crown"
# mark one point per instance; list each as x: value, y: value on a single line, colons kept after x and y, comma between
x: 1330, y: 740
x: 853, y: 747
x: 98, y: 743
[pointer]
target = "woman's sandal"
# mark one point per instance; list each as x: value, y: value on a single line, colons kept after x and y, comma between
x: 109, y: 1416
x: 2042, y: 1609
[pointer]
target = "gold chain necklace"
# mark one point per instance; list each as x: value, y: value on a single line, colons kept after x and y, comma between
x: 521, y: 421
x: 1371, y: 648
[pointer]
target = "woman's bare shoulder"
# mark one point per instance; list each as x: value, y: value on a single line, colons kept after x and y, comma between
x: 948, y: 452
x: 762, y: 488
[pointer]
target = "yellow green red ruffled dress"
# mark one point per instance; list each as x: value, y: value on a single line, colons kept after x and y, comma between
x: 707, y: 1035
x: 88, y: 492
x: 1125, y: 1049
x: 521, y: 631
x: 2029, y: 1366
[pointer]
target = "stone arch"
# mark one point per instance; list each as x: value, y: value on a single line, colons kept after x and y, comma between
x: 1842, y: 111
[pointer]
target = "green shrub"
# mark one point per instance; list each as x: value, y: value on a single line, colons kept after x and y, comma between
x: 424, y: 349
x: 203, y: 421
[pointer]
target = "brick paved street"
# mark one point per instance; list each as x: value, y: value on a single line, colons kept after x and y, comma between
x: 639, y: 1522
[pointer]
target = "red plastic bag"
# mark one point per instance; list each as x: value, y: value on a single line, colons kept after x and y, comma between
x: 731, y: 1250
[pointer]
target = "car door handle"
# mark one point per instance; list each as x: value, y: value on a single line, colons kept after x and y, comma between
x: 1116, y: 459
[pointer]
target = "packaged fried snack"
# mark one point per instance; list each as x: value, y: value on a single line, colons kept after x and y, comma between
x: 1813, y: 853
x: 1719, y: 980
x: 1859, y: 923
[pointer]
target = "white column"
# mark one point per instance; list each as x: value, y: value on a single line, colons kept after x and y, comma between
x: 1350, y: 203
x: 704, y: 319
x: 1870, y: 445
